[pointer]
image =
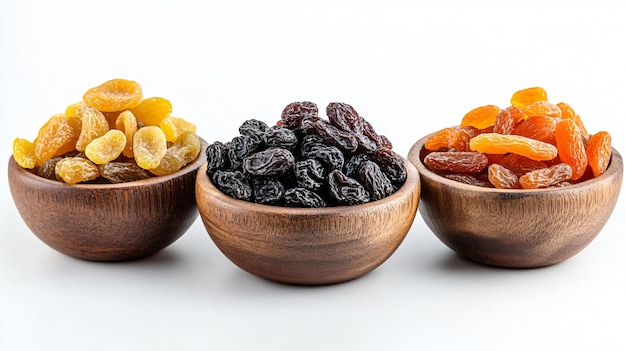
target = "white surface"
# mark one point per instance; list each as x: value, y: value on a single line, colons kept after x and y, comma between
x: 409, y: 67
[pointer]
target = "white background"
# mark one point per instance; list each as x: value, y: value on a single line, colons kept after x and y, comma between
x: 409, y: 67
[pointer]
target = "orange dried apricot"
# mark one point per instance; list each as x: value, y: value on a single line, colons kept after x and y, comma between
x: 571, y: 148
x: 568, y: 112
x: 481, y: 117
x: 527, y: 96
x: 599, y: 152
x: 57, y: 137
x: 114, y: 95
x: 542, y: 108
x: 24, y: 153
x: 494, y: 143
x: 152, y: 111
x: 538, y: 128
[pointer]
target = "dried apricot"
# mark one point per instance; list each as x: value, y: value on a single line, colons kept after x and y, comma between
x: 70, y: 110
x: 542, y: 108
x: 149, y: 147
x: 527, y: 96
x: 184, y: 150
x: 539, y: 128
x: 94, y: 125
x: 106, y: 148
x: 599, y: 152
x: 114, y: 95
x: 152, y: 111
x: 173, y: 127
x: 494, y: 143
x: 571, y: 147
x: 57, y: 137
x: 568, y: 112
x: 24, y: 153
x: 481, y: 117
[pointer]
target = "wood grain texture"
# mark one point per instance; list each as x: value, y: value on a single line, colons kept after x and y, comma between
x: 107, y: 222
x: 516, y: 228
x: 307, y: 246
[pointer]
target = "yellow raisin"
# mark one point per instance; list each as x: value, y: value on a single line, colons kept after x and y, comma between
x: 74, y: 170
x: 527, y: 96
x: 57, y: 137
x: 184, y: 150
x: 127, y: 123
x: 70, y: 110
x: 114, y: 95
x: 24, y: 153
x: 152, y: 111
x: 94, y: 125
x: 106, y: 148
x: 494, y: 143
x: 149, y: 147
x: 173, y: 127
x: 481, y: 117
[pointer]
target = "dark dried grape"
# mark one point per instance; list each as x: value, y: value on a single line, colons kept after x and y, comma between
x: 330, y: 156
x: 46, y: 170
x: 391, y: 164
x: 217, y: 157
x: 309, y: 174
x: 307, y: 143
x: 344, y: 117
x: 352, y: 165
x: 346, y: 190
x: 301, y: 197
x: 252, y: 126
x: 233, y: 183
x: 293, y: 113
x: 270, y: 162
x: 280, y: 136
x: 374, y: 180
x: 345, y: 141
x: 468, y: 179
x: 456, y: 161
x: 121, y: 172
x: 371, y: 134
x: 241, y: 147
x: 267, y: 191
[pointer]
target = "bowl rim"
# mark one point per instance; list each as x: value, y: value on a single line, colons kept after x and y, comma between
x: 614, y: 168
x: 190, y: 167
x: 412, y: 183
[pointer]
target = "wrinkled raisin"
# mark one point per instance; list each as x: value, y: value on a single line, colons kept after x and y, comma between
x: 502, y: 177
x: 252, y: 126
x: 345, y: 141
x: 149, y: 147
x: 351, y: 167
x: 344, y: 117
x: 294, y: 113
x: 280, y: 136
x: 267, y: 191
x: 456, y: 162
x: 539, y: 128
x: 233, y: 183
x: 346, y: 190
x: 122, y: 172
x: 507, y: 119
x: 301, y: 197
x: 241, y: 147
x: 391, y: 164
x: 217, y: 157
x: 269, y: 162
x: 545, y: 177
x: 467, y: 179
x: 309, y: 174
x: 374, y: 180
x: 76, y: 170
x: 330, y: 156
x: 48, y: 168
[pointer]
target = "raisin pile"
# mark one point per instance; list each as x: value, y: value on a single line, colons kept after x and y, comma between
x: 530, y: 144
x: 307, y: 161
x: 112, y: 135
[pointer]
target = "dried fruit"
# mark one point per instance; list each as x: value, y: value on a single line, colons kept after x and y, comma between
x: 542, y: 108
x: 149, y: 147
x: 114, y: 95
x: 571, y: 147
x: 502, y: 177
x: 106, y: 148
x: 539, y: 128
x: 507, y: 120
x: 346, y: 190
x: 152, y: 111
x: 568, y: 112
x: 24, y: 153
x: 527, y: 96
x: 270, y: 162
x: 493, y: 143
x: 481, y: 117
x: 173, y: 127
x: 545, y: 177
x: 456, y: 162
x: 57, y: 137
x: 122, y: 172
x: 74, y: 170
x: 94, y: 125
x: 127, y: 123
x: 599, y: 152
x: 301, y: 197
x: 183, y: 151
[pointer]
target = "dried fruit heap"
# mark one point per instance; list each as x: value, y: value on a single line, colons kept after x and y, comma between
x: 530, y: 144
x: 307, y: 161
x: 112, y: 135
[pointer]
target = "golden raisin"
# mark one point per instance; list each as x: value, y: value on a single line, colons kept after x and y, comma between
x: 74, y: 170
x: 501, y: 177
x: 173, y: 127
x: 114, y: 95
x: 24, y: 153
x: 481, y: 117
x: 149, y: 147
x: 152, y: 111
x: 70, y: 110
x: 106, y: 148
x: 57, y: 137
x: 527, y: 96
x: 494, y: 143
x: 94, y: 125
x: 127, y: 123
x: 599, y: 152
x: 184, y: 150
x: 571, y: 147
x: 545, y: 177
x: 507, y: 119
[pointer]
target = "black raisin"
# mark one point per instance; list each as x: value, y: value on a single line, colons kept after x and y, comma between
x: 309, y: 174
x: 233, y: 183
x: 217, y: 157
x: 301, y: 197
x: 374, y: 180
x: 252, y: 126
x: 391, y: 164
x: 334, y: 136
x: 267, y: 191
x: 280, y: 136
x: 344, y: 117
x: 330, y: 156
x: 241, y: 147
x: 352, y: 165
x: 346, y: 190
x: 270, y: 162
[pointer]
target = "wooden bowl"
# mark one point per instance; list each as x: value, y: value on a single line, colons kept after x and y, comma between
x: 307, y: 246
x: 107, y: 222
x: 516, y: 228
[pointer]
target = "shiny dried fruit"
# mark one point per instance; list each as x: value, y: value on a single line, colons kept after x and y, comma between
x: 346, y: 190
x: 568, y: 112
x: 599, y: 152
x: 270, y: 162
x: 114, y: 95
x: 494, y: 143
x: 502, y: 178
x: 122, y: 172
x: 74, y: 170
x: 545, y: 177
x: 542, y: 108
x: 217, y: 157
x: 47, y: 169
x: 456, y: 162
x: 127, y: 123
x: 527, y: 96
x: 301, y: 197
x: 57, y: 137
x: 71, y: 110
x: 571, y: 147
x: 459, y: 140
x: 233, y: 183
x: 24, y: 153
x: 344, y: 117
x: 149, y: 147
x: 440, y: 139
x: 539, y: 128
x: 173, y: 127
x: 481, y: 117
x: 374, y: 180
x: 183, y: 151
x: 106, y: 148
x: 295, y: 112
x: 152, y: 111
x: 94, y: 125
x: 508, y: 119
x: 520, y: 165
x: 467, y: 179
x: 391, y: 164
